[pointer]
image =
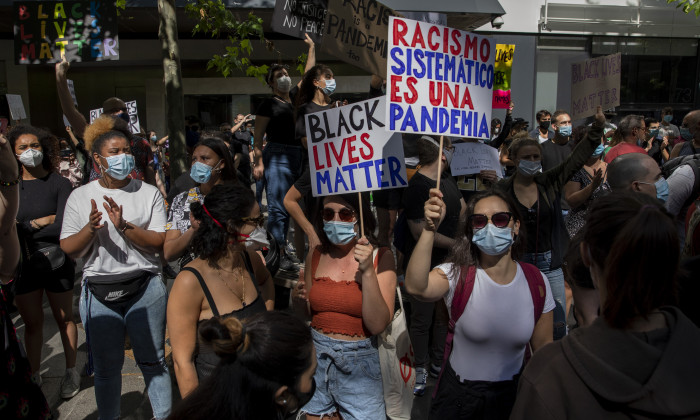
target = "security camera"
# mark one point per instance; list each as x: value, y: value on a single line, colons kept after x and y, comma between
x: 497, y: 22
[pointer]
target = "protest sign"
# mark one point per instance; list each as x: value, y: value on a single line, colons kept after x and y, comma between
x: 502, y: 72
x: 351, y: 151
x: 14, y: 102
x: 595, y: 82
x: 46, y: 31
x: 429, y: 17
x: 439, y: 80
x: 472, y: 158
x: 71, y: 89
x: 299, y: 17
x: 134, y: 125
x: 356, y: 32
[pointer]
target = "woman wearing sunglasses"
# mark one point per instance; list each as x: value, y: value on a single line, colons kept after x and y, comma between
x: 479, y: 378
x: 350, y: 289
x: 225, y: 280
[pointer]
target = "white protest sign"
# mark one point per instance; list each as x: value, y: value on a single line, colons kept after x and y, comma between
x: 14, y: 102
x: 595, y: 82
x: 71, y: 89
x: 134, y: 125
x: 472, y: 158
x: 350, y: 150
x: 439, y: 80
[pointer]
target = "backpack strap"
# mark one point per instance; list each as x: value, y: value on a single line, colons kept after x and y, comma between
x: 537, y: 288
x: 463, y: 292
x: 205, y: 289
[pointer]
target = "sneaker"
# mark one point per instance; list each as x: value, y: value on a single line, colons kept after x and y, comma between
x: 287, y: 265
x: 70, y: 385
x: 435, y: 370
x: 421, y: 381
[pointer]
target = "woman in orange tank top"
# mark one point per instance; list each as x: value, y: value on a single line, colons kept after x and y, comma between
x: 348, y: 292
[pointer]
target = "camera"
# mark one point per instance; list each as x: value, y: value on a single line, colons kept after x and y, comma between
x: 497, y: 22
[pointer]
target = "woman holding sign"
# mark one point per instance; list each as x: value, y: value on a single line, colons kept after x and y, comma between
x: 348, y: 291
x: 538, y: 197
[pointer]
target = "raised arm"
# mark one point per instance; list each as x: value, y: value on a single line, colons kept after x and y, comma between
x: 76, y: 119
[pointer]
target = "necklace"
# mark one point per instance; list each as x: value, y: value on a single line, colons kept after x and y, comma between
x: 242, y: 296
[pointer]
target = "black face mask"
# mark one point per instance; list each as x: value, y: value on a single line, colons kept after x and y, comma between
x: 124, y: 116
x: 302, y: 398
x: 544, y: 125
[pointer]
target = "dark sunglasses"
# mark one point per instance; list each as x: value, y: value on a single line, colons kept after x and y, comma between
x: 260, y: 220
x: 345, y: 214
x: 500, y: 220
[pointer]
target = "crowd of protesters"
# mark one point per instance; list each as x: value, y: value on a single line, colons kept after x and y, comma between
x: 560, y: 286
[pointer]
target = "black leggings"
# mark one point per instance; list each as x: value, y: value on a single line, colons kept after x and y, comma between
x: 462, y: 399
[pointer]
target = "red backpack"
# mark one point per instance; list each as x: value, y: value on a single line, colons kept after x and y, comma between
x: 464, y: 291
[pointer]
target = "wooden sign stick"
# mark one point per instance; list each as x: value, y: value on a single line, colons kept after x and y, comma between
x: 439, y: 163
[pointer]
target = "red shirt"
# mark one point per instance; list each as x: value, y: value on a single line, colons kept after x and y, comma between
x: 622, y: 149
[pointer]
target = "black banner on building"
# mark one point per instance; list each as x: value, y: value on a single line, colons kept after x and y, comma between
x: 299, y: 17
x: 45, y: 31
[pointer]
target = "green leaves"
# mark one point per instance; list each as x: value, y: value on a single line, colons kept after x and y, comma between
x: 687, y: 5
x: 214, y: 19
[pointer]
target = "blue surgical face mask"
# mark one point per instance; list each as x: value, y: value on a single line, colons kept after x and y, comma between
x: 119, y: 166
x: 686, y: 134
x: 492, y: 240
x: 330, y: 87
x: 530, y: 167
x: 154, y: 138
x: 598, y: 150
x: 565, y: 130
x: 661, y: 189
x: 339, y: 233
x: 668, y: 118
x: 200, y: 172
x: 653, y: 132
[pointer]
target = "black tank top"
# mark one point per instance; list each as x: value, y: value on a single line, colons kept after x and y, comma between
x: 205, y: 360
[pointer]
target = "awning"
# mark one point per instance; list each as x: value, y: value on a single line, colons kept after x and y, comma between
x: 467, y: 15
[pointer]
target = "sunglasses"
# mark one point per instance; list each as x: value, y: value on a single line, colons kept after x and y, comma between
x: 500, y: 220
x: 345, y: 214
x: 260, y: 220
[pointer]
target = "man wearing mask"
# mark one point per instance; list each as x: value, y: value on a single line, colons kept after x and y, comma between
x: 558, y: 148
x: 656, y: 146
x: 667, y: 129
x: 541, y: 132
x: 633, y: 131
x: 690, y: 132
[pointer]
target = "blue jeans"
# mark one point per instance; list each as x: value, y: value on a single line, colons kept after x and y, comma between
x: 283, y: 166
x: 143, y: 318
x: 259, y: 187
x: 348, y: 379
x: 556, y: 282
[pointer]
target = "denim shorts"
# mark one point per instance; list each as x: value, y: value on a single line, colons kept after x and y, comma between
x: 348, y: 379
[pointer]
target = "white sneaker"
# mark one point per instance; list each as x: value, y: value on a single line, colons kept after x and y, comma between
x: 70, y: 385
x: 421, y: 381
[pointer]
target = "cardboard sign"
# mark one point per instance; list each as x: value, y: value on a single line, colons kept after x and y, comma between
x: 134, y: 125
x: 595, y: 82
x: 299, y: 17
x: 472, y: 158
x: 356, y: 32
x: 71, y: 89
x: 503, y: 70
x: 439, y: 80
x: 46, y: 31
x: 351, y: 151
x: 14, y: 102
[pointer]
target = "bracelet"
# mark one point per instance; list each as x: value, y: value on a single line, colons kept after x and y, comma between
x: 10, y: 183
x: 123, y: 230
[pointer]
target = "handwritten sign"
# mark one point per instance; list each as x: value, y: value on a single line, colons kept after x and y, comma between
x: 440, y: 80
x: 350, y: 150
x: 503, y: 69
x: 299, y: 17
x: 14, y: 102
x: 595, y: 82
x: 134, y: 125
x: 356, y: 32
x: 46, y: 31
x: 472, y: 158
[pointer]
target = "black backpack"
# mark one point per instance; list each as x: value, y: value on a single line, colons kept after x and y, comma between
x: 694, y: 161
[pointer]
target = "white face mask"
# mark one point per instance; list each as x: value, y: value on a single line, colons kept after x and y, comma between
x: 31, y: 158
x: 284, y: 84
x: 257, y: 239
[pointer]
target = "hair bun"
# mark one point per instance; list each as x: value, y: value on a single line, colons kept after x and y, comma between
x: 225, y: 336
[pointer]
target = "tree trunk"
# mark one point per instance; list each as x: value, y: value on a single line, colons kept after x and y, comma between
x: 172, y: 77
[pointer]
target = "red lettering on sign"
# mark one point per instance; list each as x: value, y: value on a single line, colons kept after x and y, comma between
x: 364, y: 139
x: 400, y: 30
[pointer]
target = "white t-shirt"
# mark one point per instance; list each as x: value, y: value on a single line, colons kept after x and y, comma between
x: 497, y: 323
x: 111, y: 252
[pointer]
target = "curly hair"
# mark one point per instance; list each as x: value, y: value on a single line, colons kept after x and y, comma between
x: 48, y: 142
x: 225, y: 204
x: 307, y: 90
x: 103, y: 128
